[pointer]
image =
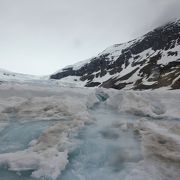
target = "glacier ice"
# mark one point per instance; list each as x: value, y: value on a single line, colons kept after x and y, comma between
x: 132, y: 135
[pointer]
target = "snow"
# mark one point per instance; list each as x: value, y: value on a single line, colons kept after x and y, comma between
x: 156, y: 104
x: 11, y: 76
x: 70, y: 109
x: 148, y: 83
x: 145, y: 54
x: 113, y: 51
x: 48, y: 164
x: 167, y: 59
x: 178, y: 77
x: 103, y: 78
x: 75, y: 66
x: 28, y: 103
x: 160, y: 147
x: 116, y: 49
x: 71, y: 81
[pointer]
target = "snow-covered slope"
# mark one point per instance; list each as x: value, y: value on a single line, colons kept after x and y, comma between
x: 6, y: 75
x: 18, y: 78
x: 149, y: 62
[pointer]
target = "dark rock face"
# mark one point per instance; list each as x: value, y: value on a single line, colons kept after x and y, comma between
x: 149, y: 62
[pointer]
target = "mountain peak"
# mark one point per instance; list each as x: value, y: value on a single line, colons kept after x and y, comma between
x: 148, y: 62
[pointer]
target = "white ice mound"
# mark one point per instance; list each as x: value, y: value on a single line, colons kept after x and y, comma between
x: 46, y: 164
x: 160, y: 147
x: 160, y: 139
x: 156, y: 104
x: 138, y: 104
x: 46, y: 156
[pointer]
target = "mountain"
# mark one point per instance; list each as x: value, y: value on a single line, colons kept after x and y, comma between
x: 149, y: 62
x: 6, y: 75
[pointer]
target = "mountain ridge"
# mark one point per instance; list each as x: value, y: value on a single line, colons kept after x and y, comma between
x: 143, y: 63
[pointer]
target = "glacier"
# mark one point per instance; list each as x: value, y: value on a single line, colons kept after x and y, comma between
x: 54, y: 132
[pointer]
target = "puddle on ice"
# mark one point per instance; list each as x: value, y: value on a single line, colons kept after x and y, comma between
x: 107, y: 149
x: 8, y: 175
x: 17, y: 135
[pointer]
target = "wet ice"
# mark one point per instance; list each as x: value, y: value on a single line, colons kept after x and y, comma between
x: 106, y: 149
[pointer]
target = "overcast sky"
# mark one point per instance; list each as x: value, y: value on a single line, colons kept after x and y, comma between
x: 42, y: 36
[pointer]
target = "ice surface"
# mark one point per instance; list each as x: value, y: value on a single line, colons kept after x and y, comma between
x: 6, y: 75
x: 16, y: 136
x: 107, y: 148
x: 46, y: 156
x: 160, y: 147
x: 116, y: 142
x: 156, y: 104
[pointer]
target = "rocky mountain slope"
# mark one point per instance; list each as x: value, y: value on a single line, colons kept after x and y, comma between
x: 149, y: 62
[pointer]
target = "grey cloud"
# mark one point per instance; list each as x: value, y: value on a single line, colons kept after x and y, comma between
x: 55, y: 33
x: 170, y: 12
